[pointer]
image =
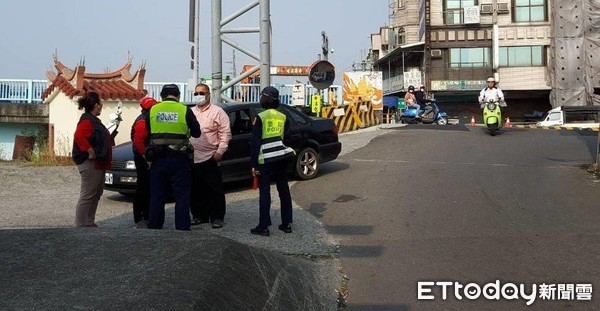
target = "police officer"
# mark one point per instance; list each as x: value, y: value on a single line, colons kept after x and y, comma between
x: 170, y: 123
x: 269, y: 158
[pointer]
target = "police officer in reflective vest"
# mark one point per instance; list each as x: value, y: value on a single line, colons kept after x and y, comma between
x: 269, y: 159
x: 170, y: 123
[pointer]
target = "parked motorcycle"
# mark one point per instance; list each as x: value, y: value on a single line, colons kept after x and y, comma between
x: 413, y: 116
x: 114, y: 120
x: 492, y: 116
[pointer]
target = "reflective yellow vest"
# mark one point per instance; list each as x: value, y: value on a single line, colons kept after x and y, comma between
x: 167, y: 124
x: 272, y: 148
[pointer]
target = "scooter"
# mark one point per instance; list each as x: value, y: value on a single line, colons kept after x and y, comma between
x: 492, y: 116
x: 114, y: 120
x: 413, y: 116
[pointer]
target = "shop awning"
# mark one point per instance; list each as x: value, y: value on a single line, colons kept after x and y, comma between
x: 397, y: 53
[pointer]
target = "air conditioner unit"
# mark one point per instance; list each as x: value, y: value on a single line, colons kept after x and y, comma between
x: 436, y: 53
x: 502, y: 7
x: 487, y: 8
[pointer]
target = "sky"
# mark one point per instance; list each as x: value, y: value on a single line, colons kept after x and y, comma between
x: 156, y: 32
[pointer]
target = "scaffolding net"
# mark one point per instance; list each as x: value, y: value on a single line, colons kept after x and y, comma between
x: 575, y: 53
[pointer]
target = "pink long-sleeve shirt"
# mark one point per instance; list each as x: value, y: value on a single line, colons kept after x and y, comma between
x: 216, y: 132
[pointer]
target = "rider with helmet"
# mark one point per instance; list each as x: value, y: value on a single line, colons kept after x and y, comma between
x: 411, y: 99
x: 491, y: 93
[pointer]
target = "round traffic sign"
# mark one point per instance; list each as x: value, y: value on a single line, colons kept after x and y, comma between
x: 321, y: 74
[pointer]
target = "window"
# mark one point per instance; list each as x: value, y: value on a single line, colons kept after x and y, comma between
x: 530, y: 11
x: 401, y: 36
x: 240, y: 123
x: 521, y: 56
x: 470, y: 58
x: 400, y: 4
x: 296, y: 115
x: 555, y: 116
x: 454, y: 10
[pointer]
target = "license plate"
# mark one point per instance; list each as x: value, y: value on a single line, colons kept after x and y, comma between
x: 108, y: 178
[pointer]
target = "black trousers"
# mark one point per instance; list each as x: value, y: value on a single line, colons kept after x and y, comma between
x: 208, y: 194
x: 276, y: 171
x: 141, y: 200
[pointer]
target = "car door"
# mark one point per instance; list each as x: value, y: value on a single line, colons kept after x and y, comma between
x: 235, y: 164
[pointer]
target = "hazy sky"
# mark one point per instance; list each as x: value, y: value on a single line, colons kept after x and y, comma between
x: 157, y: 32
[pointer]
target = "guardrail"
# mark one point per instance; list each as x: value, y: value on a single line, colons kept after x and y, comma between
x: 30, y: 91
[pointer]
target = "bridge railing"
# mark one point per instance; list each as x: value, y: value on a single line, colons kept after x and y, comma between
x: 30, y: 91
x: 22, y: 90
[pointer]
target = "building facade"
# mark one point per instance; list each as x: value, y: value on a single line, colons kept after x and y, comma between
x: 452, y: 46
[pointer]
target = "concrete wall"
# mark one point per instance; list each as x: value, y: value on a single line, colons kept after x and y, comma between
x: 24, y: 113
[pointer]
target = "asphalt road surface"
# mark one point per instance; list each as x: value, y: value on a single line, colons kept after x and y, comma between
x: 453, y: 204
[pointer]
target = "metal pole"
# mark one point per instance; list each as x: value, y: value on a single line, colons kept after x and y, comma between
x: 196, y: 42
x: 598, y: 149
x: 217, y: 53
x: 265, y: 43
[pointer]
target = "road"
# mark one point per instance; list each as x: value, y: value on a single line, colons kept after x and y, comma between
x: 434, y: 204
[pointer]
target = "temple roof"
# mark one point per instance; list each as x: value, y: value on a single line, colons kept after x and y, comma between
x: 118, y: 84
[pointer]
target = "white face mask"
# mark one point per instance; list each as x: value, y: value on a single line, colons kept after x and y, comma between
x: 200, y: 99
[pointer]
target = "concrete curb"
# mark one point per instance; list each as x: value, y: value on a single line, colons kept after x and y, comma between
x: 558, y: 128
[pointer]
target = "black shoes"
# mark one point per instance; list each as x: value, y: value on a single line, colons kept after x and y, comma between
x: 260, y: 231
x: 287, y: 228
x: 217, y: 223
x: 197, y: 221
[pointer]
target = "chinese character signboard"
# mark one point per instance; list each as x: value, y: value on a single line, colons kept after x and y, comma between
x: 298, y: 95
x: 457, y: 85
x: 471, y: 15
x: 413, y: 78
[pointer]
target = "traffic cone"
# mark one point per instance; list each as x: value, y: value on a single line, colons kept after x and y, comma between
x: 507, y: 123
x: 472, y: 120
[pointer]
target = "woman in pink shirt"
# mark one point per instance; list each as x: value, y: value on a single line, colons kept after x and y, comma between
x: 208, y: 195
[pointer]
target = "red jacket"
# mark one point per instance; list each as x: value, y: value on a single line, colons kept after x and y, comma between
x: 83, y: 134
x: 139, y: 135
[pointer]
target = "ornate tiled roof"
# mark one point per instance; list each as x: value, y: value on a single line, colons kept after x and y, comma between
x: 119, y: 84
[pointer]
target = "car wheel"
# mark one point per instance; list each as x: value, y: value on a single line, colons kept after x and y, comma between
x: 307, y: 164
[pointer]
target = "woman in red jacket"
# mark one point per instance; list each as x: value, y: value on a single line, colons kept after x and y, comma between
x: 92, y: 152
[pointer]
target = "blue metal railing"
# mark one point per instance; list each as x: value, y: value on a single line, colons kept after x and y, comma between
x: 30, y: 91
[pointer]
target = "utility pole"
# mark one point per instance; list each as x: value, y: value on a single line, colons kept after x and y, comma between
x: 194, y: 37
x: 495, y: 41
x: 325, y: 45
x: 233, y: 66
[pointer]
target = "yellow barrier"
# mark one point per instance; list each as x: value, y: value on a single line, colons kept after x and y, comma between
x: 352, y: 116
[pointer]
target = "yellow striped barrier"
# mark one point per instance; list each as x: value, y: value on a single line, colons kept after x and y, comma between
x: 352, y: 116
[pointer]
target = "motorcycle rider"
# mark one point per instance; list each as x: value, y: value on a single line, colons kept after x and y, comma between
x: 411, y: 99
x: 491, y: 92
